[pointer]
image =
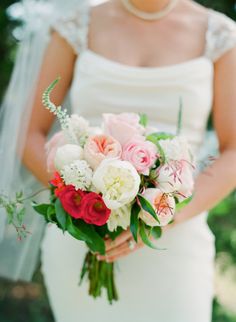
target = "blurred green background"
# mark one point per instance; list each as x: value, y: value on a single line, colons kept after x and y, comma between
x: 21, y: 302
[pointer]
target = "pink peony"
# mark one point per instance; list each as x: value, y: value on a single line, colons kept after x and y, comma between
x: 123, y: 127
x: 51, y: 147
x: 141, y: 154
x: 100, y: 147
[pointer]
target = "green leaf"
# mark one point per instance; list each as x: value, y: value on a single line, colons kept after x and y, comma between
x: 143, y: 120
x: 156, y: 232
x: 183, y: 203
x: 41, y: 208
x: 180, y: 116
x: 157, y: 136
x: 61, y: 215
x: 134, y: 220
x: 51, y: 214
x: 144, y: 236
x: 85, y: 232
x: 145, y: 204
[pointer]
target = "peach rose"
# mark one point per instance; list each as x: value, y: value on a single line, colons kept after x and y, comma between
x: 163, y: 204
x: 100, y: 147
x: 123, y: 127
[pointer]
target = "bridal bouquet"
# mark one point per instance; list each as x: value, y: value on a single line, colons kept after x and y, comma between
x: 121, y: 175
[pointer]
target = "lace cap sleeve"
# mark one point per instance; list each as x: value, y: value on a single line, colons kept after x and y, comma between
x: 221, y: 35
x: 73, y: 27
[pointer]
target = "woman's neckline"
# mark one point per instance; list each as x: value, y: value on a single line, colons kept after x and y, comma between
x: 117, y: 64
x: 125, y: 67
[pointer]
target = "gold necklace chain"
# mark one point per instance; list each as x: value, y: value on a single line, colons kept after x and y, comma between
x: 149, y: 15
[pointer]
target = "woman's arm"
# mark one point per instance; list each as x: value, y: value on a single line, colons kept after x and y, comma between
x: 58, y: 61
x: 219, y: 179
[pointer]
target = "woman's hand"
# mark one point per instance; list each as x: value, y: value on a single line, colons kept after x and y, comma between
x: 122, y: 246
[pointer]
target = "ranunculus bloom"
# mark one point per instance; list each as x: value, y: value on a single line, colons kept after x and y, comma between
x: 67, y: 154
x: 72, y: 201
x: 99, y: 147
x: 140, y: 153
x: 163, y: 204
x: 123, y: 127
x: 94, y: 209
x: 51, y: 147
x: 57, y: 182
x: 118, y: 181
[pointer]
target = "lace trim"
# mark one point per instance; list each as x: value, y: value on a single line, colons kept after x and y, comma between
x: 221, y: 35
x: 74, y: 27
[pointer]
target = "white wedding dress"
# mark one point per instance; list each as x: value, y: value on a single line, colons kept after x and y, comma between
x: 175, y: 285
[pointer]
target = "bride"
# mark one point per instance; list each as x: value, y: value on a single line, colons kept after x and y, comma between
x: 143, y: 56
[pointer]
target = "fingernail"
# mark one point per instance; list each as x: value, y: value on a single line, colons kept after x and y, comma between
x: 98, y: 258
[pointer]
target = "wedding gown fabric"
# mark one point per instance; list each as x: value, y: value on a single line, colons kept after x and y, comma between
x: 173, y: 285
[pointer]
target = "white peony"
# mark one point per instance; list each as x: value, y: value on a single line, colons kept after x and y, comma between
x: 119, y: 218
x: 78, y: 174
x: 67, y: 154
x: 176, y: 149
x: 163, y: 204
x: 118, y: 181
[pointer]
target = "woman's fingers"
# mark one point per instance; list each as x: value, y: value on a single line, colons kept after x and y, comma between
x: 120, y: 251
x: 110, y: 244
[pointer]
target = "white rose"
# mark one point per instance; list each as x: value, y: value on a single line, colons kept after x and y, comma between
x: 175, y: 177
x: 66, y: 154
x: 118, y: 181
x: 119, y: 218
x: 176, y: 149
x: 168, y: 178
x: 187, y: 183
x: 78, y: 174
x: 163, y: 204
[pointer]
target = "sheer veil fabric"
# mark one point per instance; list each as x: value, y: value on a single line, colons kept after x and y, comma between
x: 19, y: 259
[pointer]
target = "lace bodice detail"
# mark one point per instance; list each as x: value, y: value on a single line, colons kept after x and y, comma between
x: 220, y: 36
x: 74, y: 27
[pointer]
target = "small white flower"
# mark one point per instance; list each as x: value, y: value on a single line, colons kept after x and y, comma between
x: 78, y: 128
x: 119, y: 218
x: 66, y: 154
x: 78, y: 174
x: 118, y: 181
x: 176, y: 149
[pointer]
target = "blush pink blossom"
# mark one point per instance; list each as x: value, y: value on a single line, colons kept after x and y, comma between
x: 141, y: 154
x: 100, y: 147
x: 123, y: 127
x: 51, y: 147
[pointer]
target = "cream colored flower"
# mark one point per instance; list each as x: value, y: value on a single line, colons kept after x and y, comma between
x: 118, y: 181
x: 119, y: 218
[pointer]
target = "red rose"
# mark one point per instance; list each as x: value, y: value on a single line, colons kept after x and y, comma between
x: 72, y: 201
x: 94, y: 209
x: 57, y: 182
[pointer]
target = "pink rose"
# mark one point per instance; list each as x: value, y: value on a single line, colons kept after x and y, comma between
x: 51, y: 147
x: 141, y: 154
x: 100, y: 147
x: 123, y: 127
x: 163, y: 204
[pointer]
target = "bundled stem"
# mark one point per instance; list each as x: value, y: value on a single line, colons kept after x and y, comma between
x: 101, y: 276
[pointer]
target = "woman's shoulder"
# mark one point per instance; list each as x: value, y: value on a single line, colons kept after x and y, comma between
x: 73, y: 26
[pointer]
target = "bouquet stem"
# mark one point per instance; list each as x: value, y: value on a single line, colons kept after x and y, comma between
x: 101, y: 276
